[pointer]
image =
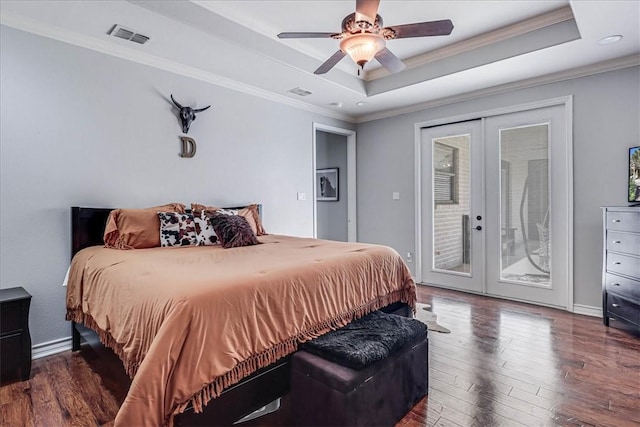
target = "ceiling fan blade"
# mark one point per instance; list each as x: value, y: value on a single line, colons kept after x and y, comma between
x: 367, y: 9
x: 330, y: 63
x: 305, y: 35
x: 390, y: 61
x: 423, y: 29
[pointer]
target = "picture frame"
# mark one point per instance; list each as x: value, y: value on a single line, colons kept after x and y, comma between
x: 634, y: 175
x: 327, y: 185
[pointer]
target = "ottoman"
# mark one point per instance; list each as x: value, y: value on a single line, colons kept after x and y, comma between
x: 326, y: 393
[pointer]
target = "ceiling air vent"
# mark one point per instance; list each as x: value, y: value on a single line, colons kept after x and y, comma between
x: 127, y: 34
x: 299, y: 91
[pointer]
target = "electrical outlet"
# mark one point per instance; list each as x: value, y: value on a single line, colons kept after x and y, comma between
x: 409, y: 257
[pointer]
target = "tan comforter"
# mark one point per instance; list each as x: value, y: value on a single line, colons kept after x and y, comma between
x: 188, y: 322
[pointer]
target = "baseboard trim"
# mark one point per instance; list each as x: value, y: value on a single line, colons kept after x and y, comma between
x: 587, y: 310
x: 50, y: 348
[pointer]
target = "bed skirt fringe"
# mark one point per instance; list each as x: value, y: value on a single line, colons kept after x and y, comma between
x: 258, y: 361
x: 76, y: 315
x: 273, y: 354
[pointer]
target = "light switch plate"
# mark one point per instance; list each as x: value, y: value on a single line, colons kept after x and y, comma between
x: 302, y: 196
x: 396, y: 195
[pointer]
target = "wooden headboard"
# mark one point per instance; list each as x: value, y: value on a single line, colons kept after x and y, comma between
x: 87, y: 226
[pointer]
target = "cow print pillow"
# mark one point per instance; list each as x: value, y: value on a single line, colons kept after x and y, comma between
x: 177, y: 229
x: 206, y: 233
x: 233, y: 231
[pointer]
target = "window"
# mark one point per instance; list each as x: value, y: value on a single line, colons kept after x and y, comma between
x: 445, y: 165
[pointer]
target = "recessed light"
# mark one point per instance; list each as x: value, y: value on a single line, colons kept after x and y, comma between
x: 360, y: 103
x: 610, y: 39
x: 336, y: 104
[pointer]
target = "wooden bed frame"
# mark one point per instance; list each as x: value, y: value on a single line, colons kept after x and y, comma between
x: 240, y: 401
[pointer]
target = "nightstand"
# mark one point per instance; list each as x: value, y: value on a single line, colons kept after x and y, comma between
x: 15, y: 341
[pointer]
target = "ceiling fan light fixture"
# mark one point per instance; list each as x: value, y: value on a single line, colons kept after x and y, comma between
x: 362, y: 47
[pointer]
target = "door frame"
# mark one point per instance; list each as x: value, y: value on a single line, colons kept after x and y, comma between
x: 352, y: 226
x: 567, y: 102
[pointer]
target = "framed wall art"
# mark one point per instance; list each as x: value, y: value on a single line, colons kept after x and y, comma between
x: 327, y: 185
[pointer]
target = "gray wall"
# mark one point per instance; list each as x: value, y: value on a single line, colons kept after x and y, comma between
x: 83, y: 128
x: 605, y: 124
x: 331, y: 152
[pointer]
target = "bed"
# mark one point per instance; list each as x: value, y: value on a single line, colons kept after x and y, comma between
x: 207, y: 329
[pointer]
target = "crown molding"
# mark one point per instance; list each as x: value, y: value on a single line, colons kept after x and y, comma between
x: 588, y: 70
x: 20, y: 23
x: 486, y: 39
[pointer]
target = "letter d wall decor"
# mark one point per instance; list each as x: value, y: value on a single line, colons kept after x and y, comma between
x: 188, y: 147
x: 186, y: 116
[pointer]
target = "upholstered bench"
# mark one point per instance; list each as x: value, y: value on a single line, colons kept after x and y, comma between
x: 385, y: 376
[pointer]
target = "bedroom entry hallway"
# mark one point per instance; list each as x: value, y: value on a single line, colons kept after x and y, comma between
x: 494, y: 204
x: 334, y: 174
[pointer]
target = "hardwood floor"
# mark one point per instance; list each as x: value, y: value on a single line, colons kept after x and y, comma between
x: 504, y: 364
x: 511, y: 364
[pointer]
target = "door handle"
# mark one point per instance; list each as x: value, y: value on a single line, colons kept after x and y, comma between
x: 479, y: 227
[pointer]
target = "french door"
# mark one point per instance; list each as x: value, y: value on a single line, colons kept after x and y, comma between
x: 495, y: 206
x: 452, y: 206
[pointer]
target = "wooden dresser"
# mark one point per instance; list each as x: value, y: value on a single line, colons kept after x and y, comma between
x: 621, y: 265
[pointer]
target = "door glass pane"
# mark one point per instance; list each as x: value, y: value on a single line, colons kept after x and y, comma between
x: 524, y: 205
x: 451, y: 174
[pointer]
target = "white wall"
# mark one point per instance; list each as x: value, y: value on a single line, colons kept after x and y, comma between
x: 331, y: 152
x: 605, y: 124
x: 81, y: 128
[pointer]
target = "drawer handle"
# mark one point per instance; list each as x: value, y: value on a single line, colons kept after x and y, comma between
x: 615, y: 284
x: 617, y: 263
x: 617, y: 241
x: 616, y: 305
x: 616, y: 220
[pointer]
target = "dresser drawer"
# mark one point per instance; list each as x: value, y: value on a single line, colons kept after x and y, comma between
x: 623, y: 221
x: 10, y: 317
x: 623, y: 308
x: 623, y: 242
x: 627, y: 288
x: 623, y: 264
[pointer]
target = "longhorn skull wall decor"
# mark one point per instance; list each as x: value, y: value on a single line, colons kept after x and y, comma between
x: 187, y: 114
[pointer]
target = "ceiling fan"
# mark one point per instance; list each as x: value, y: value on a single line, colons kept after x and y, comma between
x: 363, y: 37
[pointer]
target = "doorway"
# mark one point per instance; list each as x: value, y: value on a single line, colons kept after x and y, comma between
x: 334, y: 178
x: 494, y: 205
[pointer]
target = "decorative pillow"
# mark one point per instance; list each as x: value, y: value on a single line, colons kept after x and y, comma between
x: 206, y: 233
x: 250, y: 213
x: 177, y: 229
x: 136, y: 228
x: 233, y: 231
